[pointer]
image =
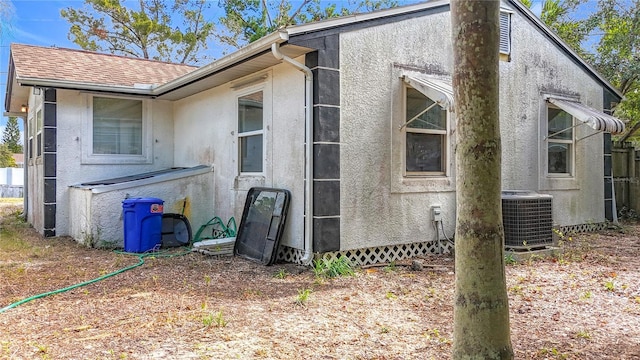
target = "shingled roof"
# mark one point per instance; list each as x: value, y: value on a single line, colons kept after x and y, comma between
x: 52, y: 63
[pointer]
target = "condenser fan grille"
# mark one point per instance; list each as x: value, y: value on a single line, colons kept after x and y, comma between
x: 528, y: 219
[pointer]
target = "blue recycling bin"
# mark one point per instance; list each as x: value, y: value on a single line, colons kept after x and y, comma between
x: 142, y: 224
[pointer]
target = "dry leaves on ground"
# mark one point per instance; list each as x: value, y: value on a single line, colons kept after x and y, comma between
x: 584, y: 304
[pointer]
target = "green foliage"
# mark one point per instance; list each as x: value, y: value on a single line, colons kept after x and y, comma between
x: 161, y: 30
x: 216, y: 319
x: 11, y: 135
x: 6, y: 157
x: 583, y: 334
x: 610, y: 285
x: 617, y: 26
x: 391, y: 267
x: 303, y: 296
x: 280, y: 274
x: 617, y: 57
x: 586, y: 295
x: 333, y: 268
x: 557, y: 14
x: 248, y: 20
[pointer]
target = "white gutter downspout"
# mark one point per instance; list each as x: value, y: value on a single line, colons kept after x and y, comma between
x: 308, y: 154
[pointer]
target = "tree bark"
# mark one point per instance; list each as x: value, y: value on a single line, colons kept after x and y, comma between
x: 481, y: 309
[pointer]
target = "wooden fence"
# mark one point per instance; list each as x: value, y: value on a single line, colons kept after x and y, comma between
x: 626, y: 177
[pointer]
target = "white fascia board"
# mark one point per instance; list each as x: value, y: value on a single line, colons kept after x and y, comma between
x: 232, y: 59
x: 355, y: 18
x: 76, y: 85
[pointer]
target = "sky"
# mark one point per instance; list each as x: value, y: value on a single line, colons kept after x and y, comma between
x: 38, y: 22
x: 35, y: 22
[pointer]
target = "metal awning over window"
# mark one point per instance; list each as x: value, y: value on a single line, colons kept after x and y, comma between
x: 597, y: 120
x: 437, y: 90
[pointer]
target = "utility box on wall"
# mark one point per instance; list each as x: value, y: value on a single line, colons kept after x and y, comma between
x: 527, y: 218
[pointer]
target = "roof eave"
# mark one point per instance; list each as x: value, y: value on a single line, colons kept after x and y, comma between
x: 9, y: 89
x: 76, y: 85
x: 362, y: 17
x: 230, y: 60
x: 532, y: 17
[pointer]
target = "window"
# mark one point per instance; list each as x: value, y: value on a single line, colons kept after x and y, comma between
x: 30, y: 126
x: 117, y: 131
x: 560, y: 142
x: 425, y: 135
x: 39, y: 133
x: 250, y: 133
x: 117, y: 126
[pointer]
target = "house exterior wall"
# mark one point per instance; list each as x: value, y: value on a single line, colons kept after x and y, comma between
x: 539, y: 67
x: 206, y: 125
x: 35, y: 171
x: 72, y: 129
x: 379, y: 207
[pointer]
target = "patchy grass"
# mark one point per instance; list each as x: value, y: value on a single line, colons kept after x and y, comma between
x: 201, y: 307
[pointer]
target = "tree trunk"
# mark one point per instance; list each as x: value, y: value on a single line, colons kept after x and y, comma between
x: 481, y: 309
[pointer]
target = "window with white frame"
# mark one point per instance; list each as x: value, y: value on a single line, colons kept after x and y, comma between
x: 251, y: 133
x: 38, y: 143
x: 117, y: 131
x: 31, y: 126
x: 560, y: 142
x: 425, y: 135
x: 117, y: 126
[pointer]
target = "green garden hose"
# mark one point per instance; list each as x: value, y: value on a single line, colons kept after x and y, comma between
x: 140, y: 262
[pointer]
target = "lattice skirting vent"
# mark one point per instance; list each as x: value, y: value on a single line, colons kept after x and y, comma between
x: 390, y: 253
x: 374, y: 255
x: 582, y: 228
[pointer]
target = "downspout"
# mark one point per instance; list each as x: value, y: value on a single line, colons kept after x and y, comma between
x: 25, y: 167
x: 308, y: 154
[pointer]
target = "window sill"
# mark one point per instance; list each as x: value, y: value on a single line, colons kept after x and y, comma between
x: 550, y: 183
x: 115, y: 159
x: 246, y: 182
x: 423, y: 184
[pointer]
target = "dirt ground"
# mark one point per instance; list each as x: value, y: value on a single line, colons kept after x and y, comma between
x: 583, y: 304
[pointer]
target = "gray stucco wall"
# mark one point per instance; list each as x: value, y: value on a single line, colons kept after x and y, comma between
x: 379, y: 206
x: 539, y: 67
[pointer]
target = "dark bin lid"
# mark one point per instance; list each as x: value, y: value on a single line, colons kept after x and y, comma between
x: 262, y: 224
x: 176, y: 230
x: 143, y: 200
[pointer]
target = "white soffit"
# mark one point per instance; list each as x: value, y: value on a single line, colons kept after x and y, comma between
x: 597, y: 120
x: 231, y: 72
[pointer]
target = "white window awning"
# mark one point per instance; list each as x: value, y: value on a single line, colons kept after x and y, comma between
x: 596, y: 120
x: 438, y: 90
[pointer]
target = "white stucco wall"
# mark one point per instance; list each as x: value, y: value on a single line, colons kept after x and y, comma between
x: 379, y: 206
x: 205, y: 133
x: 35, y: 174
x: 96, y: 217
x: 72, y: 120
